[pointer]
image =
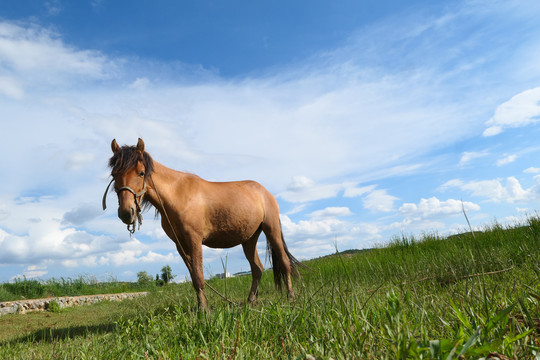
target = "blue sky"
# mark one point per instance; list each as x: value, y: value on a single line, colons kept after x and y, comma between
x: 367, y: 120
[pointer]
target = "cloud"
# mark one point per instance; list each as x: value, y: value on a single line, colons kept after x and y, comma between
x: 410, y: 224
x: 379, y: 201
x: 321, y: 228
x: 532, y: 170
x: 81, y: 214
x: 35, y: 271
x: 506, y: 160
x: 495, y: 190
x: 358, y: 191
x: 320, y: 235
x: 128, y: 257
x: 78, y: 160
x: 340, y: 119
x: 304, y: 189
x: 11, y: 88
x: 434, y: 208
x: 36, y: 56
x: 140, y: 84
x: 468, y: 156
x: 521, y: 110
x: 450, y: 184
x: 54, y: 7
x: 331, y: 212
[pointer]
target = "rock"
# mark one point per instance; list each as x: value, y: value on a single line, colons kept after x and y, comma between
x: 23, y: 306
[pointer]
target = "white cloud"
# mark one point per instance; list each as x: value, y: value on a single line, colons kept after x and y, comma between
x: 511, y: 191
x: 81, y: 214
x: 532, y: 170
x: 129, y: 257
x: 295, y: 210
x: 54, y: 7
x: 521, y: 110
x: 379, y: 200
x: 321, y: 228
x: 506, y: 160
x: 409, y: 224
x: 360, y: 112
x: 468, y: 156
x: 35, y: 271
x: 304, y: 189
x: 140, y: 84
x: 11, y: 88
x: 331, y: 212
x: 450, y: 184
x: 319, y: 236
x: 433, y: 208
x: 35, y: 55
x: 78, y: 160
x: 358, y: 191
x: 300, y: 183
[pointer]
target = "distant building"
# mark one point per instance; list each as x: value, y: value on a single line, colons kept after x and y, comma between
x: 223, y: 275
x: 242, y: 273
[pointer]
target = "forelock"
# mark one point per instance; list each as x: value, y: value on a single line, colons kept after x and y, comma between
x: 127, y: 157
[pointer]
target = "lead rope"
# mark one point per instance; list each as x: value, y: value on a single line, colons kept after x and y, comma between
x: 180, y: 244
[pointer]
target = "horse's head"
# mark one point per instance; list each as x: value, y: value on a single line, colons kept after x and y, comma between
x: 130, y: 168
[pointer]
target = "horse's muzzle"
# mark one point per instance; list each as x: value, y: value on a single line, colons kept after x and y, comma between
x: 128, y: 216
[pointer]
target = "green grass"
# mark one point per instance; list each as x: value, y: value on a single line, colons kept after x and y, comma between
x: 430, y: 298
x: 34, y: 289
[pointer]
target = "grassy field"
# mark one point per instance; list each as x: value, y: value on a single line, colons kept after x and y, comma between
x: 34, y: 289
x: 432, y: 298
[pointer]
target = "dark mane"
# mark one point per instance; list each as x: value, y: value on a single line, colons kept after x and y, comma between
x: 126, y: 158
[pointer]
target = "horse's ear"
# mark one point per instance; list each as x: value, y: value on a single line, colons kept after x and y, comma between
x: 114, y: 146
x: 140, y: 145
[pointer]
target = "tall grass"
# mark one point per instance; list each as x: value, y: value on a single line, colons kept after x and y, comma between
x: 429, y: 298
x: 23, y: 288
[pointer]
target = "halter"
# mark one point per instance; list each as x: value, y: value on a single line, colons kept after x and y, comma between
x: 137, y: 196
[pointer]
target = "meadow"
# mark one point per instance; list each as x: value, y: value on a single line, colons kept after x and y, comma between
x: 23, y: 288
x: 468, y: 296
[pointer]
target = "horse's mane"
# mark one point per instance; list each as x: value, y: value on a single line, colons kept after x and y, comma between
x: 126, y: 158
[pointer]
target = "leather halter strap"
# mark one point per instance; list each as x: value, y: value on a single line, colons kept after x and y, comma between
x: 137, y: 196
x: 127, y: 188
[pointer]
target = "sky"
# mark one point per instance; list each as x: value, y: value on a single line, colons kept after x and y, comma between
x: 367, y: 120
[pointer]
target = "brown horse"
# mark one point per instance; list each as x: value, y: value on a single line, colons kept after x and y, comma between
x: 195, y: 212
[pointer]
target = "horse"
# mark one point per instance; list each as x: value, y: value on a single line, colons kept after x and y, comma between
x: 196, y: 212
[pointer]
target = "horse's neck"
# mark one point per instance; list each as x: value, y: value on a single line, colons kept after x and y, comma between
x: 163, y: 186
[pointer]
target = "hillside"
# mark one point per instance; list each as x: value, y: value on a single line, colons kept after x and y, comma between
x: 438, y: 298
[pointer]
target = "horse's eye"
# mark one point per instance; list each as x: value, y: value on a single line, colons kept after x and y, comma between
x: 141, y: 174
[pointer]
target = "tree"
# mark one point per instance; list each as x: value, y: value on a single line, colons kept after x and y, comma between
x: 166, y: 274
x: 159, y: 282
x: 143, y: 278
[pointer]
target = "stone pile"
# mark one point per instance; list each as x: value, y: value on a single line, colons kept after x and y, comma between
x: 24, y: 306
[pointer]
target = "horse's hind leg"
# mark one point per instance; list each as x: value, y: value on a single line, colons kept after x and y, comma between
x: 250, y: 250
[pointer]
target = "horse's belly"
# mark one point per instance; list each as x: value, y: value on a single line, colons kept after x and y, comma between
x: 232, y: 226
x: 230, y: 236
x: 225, y: 240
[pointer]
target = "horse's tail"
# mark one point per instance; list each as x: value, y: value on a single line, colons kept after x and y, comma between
x: 277, y: 266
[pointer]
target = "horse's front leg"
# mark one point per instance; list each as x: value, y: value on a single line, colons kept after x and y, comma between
x: 194, y: 264
x: 197, y: 277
